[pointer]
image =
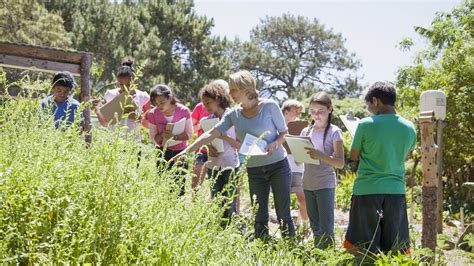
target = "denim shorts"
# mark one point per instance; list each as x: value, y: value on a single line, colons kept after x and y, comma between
x: 201, y: 158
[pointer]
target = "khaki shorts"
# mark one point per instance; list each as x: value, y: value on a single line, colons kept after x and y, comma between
x: 296, y: 182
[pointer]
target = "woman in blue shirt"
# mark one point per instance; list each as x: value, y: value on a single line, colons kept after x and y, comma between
x: 258, y: 117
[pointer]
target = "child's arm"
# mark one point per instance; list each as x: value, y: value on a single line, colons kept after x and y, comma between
x: 355, y: 155
x: 196, y: 126
x: 204, y: 139
x: 233, y: 142
x: 102, y: 120
x: 336, y: 161
x: 145, y: 109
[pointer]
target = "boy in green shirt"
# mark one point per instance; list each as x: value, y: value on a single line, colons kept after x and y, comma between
x: 378, y: 217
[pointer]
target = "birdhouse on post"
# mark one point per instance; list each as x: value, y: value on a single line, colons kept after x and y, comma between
x: 432, y: 112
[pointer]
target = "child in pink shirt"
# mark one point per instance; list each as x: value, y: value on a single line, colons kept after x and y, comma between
x: 168, y: 110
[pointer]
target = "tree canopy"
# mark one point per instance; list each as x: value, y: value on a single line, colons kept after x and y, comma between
x: 447, y: 65
x: 293, y: 54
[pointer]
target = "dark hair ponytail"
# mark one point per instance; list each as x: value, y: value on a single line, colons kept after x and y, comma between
x: 327, y: 129
x: 126, y: 70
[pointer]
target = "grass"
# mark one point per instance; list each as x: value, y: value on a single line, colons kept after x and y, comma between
x: 63, y: 201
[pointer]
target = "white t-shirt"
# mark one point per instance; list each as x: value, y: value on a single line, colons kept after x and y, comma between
x: 140, y: 98
x: 228, y: 158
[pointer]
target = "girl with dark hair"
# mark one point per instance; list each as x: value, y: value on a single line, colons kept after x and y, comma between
x: 168, y: 110
x: 222, y: 166
x: 319, y: 181
x: 125, y: 77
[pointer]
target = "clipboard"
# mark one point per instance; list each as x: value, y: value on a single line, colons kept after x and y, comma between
x: 350, y: 122
x: 297, y: 145
x: 113, y: 111
x: 294, y: 129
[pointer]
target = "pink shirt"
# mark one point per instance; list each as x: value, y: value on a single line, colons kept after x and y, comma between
x: 199, y: 112
x: 158, y: 124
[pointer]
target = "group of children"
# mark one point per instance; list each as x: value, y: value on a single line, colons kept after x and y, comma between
x: 377, y: 219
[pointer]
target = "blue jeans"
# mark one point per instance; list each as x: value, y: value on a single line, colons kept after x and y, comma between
x: 225, y: 185
x: 278, y: 176
x: 320, y: 208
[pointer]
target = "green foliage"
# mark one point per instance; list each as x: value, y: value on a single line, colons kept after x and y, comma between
x: 63, y: 201
x: 397, y: 258
x: 447, y: 65
x: 27, y: 21
x: 344, y: 191
x: 469, y: 240
x: 168, y: 36
x: 295, y: 55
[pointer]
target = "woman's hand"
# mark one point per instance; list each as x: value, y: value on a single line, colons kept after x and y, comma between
x: 315, y: 154
x: 272, y: 147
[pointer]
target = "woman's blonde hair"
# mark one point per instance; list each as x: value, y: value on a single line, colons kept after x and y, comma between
x: 243, y: 80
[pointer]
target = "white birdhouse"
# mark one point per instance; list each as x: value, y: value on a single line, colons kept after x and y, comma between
x: 434, y: 100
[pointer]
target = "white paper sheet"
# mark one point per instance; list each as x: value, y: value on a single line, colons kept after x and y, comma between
x: 208, y: 124
x: 252, y: 146
x: 176, y: 128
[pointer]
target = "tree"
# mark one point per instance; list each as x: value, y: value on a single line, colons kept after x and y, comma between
x: 447, y: 65
x: 30, y: 23
x: 192, y: 57
x: 291, y: 52
x: 167, y: 35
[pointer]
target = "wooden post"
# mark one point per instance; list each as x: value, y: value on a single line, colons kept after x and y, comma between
x: 430, y: 181
x: 439, y: 163
x: 86, y: 63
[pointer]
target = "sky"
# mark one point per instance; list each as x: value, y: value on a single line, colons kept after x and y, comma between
x: 372, y: 29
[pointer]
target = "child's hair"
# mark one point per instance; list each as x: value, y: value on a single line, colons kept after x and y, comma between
x: 288, y: 104
x: 126, y: 69
x: 222, y: 83
x: 385, y: 91
x: 63, y: 78
x: 324, y: 99
x: 243, y: 80
x: 217, y: 92
x: 162, y: 90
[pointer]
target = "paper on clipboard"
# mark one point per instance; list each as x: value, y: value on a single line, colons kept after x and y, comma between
x: 350, y: 122
x: 176, y: 128
x: 116, y: 107
x: 252, y: 146
x: 206, y: 125
x: 297, y: 146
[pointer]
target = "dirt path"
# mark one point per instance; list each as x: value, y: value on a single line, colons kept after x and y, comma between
x: 341, y: 218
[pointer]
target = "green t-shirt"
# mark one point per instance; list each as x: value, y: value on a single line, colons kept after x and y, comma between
x: 383, y: 141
